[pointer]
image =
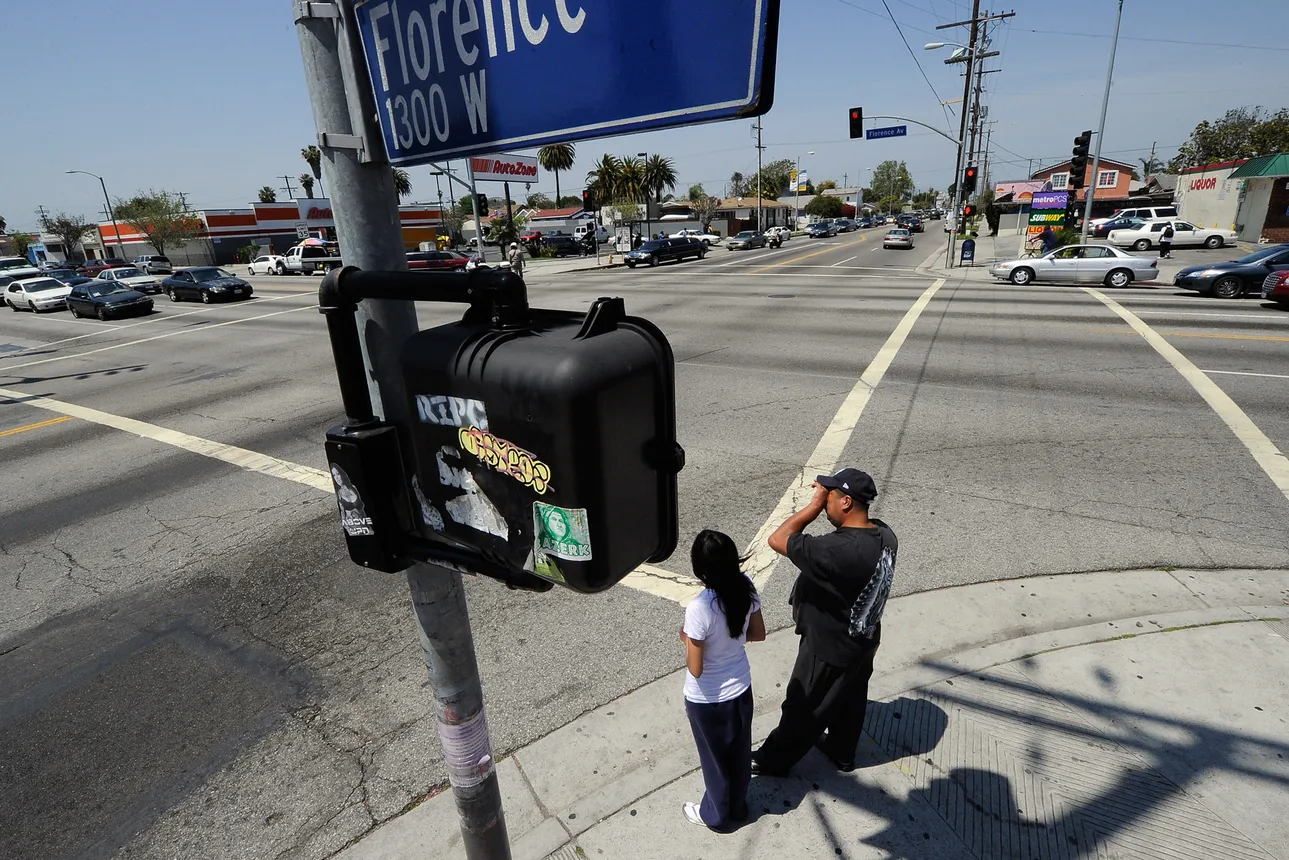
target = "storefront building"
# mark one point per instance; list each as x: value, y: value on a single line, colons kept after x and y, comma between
x: 1207, y: 196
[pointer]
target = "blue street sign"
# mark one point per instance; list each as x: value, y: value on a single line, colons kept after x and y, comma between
x: 473, y: 76
x: 889, y: 131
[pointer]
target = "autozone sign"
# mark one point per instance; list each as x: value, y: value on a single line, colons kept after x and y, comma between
x: 503, y: 167
x: 1207, y: 184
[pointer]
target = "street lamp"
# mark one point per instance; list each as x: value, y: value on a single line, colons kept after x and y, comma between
x: 120, y: 249
x: 796, y: 191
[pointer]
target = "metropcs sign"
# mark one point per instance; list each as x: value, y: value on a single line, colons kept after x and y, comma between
x: 503, y: 167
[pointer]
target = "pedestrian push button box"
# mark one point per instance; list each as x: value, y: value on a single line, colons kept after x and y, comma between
x: 548, y: 447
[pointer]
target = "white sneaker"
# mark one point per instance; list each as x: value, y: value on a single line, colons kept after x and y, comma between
x: 691, y: 813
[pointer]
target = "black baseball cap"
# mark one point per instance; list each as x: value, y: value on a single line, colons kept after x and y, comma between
x: 853, y: 482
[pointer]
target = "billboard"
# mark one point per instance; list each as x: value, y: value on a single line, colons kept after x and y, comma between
x: 505, y: 167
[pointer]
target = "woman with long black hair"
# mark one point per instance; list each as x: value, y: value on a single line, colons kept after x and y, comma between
x: 718, y: 683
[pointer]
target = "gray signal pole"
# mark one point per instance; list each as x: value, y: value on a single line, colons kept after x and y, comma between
x: 1096, y: 155
x: 367, y: 224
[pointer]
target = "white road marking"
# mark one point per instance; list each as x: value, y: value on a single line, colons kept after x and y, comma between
x: 1255, y: 316
x: 5, y: 369
x: 251, y: 461
x: 750, y: 257
x: 847, y: 260
x: 1269, y: 457
x: 156, y: 319
x: 823, y: 459
x: 1247, y: 373
x: 788, y: 273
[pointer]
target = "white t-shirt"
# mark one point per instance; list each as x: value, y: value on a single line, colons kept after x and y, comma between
x: 726, y: 672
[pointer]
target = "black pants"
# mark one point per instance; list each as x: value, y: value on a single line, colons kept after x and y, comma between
x: 1165, y: 248
x: 723, y: 732
x: 821, y: 696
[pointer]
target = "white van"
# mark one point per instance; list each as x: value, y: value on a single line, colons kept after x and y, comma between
x: 601, y: 234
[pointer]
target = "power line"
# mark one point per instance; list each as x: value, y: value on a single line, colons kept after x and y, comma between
x: 880, y: 15
x: 1167, y: 41
x: 917, y: 63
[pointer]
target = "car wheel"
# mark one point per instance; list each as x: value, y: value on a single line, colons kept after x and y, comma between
x: 205, y: 296
x: 281, y: 269
x: 1141, y: 245
x: 1228, y: 288
x: 653, y: 261
x: 631, y: 265
x: 171, y: 294
x: 75, y: 313
x: 702, y: 254
x: 11, y: 305
x: 1022, y: 276
x: 1213, y: 242
x: 250, y: 270
x: 1118, y: 278
x: 102, y: 314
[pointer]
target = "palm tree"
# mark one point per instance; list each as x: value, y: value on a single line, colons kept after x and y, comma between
x: 402, y: 183
x: 604, y: 178
x: 313, y: 156
x: 738, y: 184
x: 3, y: 224
x: 268, y: 195
x: 631, y: 180
x: 557, y: 157
x: 659, y: 176
x: 306, y: 182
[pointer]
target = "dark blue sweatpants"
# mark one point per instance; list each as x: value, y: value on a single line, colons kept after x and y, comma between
x: 723, y: 732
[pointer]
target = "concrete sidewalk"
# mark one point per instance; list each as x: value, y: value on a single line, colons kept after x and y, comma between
x: 1122, y: 714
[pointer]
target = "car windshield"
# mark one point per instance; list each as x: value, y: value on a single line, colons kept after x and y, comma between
x: 15, y: 263
x: 109, y: 290
x: 746, y: 234
x: 42, y: 285
x: 203, y: 275
x: 1259, y: 256
x: 128, y: 273
x: 651, y: 246
x: 897, y: 233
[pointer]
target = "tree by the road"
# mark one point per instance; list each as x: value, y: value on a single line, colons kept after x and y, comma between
x: 452, y: 219
x: 892, y: 179
x: 504, y: 230
x: 738, y: 184
x: 659, y: 176
x: 313, y: 156
x: 538, y: 200
x: 825, y: 207
x: 1244, y: 132
x: 925, y: 199
x: 696, y: 193
x: 306, y: 182
x: 160, y: 216
x: 70, y: 229
x: 825, y: 185
x: 402, y: 183
x: 22, y: 241
x: 1151, y: 165
x: 890, y: 204
x: 557, y: 157
x: 3, y: 224
x: 773, y: 179
x: 569, y: 200
x: 705, y: 209
x: 268, y: 195
x: 604, y: 178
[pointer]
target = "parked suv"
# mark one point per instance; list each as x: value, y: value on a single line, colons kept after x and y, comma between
x: 153, y: 264
x: 1145, y: 213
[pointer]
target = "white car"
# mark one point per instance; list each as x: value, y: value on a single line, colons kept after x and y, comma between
x: 708, y: 239
x: 37, y: 294
x: 131, y: 277
x: 153, y: 264
x: 267, y: 264
x: 783, y: 233
x: 1145, y: 213
x: 1185, y: 235
x: 1093, y: 264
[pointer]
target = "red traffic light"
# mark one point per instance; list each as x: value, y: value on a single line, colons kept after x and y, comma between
x: 854, y: 114
x: 968, y: 211
x: 856, y: 123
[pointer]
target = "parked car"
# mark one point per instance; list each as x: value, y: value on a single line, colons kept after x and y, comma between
x: 153, y: 264
x: 267, y: 264
x: 107, y: 299
x: 1186, y: 235
x: 132, y: 278
x: 36, y: 294
x: 746, y: 241
x: 707, y: 238
x: 206, y: 283
x: 864, y: 222
x: 564, y: 246
x: 67, y: 276
x: 1100, y: 231
x: 15, y: 269
x: 898, y: 237
x: 91, y: 268
x: 1144, y: 213
x: 821, y: 230
x: 657, y: 251
x: 1072, y: 264
x: 1275, y: 288
x: 1234, y: 278
x: 845, y: 225
x: 436, y: 261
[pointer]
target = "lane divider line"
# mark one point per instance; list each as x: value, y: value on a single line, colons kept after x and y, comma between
x: 823, y: 459
x: 242, y: 458
x: 15, y: 430
x: 832, y: 246
x: 1203, y: 334
x: 1264, y: 451
x: 1248, y: 373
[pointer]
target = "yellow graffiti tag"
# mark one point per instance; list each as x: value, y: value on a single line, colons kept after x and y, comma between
x: 506, y: 458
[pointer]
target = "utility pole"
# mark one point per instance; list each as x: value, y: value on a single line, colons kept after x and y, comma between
x: 760, y: 194
x: 289, y: 193
x: 1096, y: 155
x: 42, y: 216
x: 984, y: 171
x: 368, y: 226
x: 183, y: 199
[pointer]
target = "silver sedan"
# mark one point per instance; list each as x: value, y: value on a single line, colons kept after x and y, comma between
x: 1079, y: 264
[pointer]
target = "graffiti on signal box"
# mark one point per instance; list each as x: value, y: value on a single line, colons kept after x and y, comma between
x: 506, y: 458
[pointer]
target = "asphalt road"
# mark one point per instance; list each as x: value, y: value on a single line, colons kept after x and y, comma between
x: 190, y: 666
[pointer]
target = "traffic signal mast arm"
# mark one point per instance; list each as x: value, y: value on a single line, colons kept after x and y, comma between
x: 947, y: 137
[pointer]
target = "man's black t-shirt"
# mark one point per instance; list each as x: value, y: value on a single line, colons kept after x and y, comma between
x: 841, y: 592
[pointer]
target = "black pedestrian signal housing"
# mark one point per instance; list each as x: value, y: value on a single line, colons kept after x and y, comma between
x: 588, y: 201
x: 540, y: 446
x: 856, y: 122
x: 969, y: 179
x: 482, y: 202
x: 1079, y: 161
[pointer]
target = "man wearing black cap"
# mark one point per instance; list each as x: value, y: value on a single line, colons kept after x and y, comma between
x: 837, y: 603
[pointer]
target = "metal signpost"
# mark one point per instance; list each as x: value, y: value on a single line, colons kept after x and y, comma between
x: 889, y: 131
x: 412, y: 81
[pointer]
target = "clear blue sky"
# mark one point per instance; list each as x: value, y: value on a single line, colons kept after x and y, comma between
x: 208, y: 98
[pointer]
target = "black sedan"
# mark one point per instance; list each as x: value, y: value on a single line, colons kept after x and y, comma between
x: 656, y: 251
x: 68, y: 277
x: 207, y: 284
x: 104, y: 299
x: 1235, y: 278
x: 821, y: 230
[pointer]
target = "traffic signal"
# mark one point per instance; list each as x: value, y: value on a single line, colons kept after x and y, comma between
x: 969, y: 179
x: 968, y: 211
x: 482, y: 202
x: 856, y: 122
x: 1079, y: 163
x: 588, y: 201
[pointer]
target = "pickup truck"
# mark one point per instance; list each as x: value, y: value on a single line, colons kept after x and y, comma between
x: 707, y: 239
x: 307, y: 259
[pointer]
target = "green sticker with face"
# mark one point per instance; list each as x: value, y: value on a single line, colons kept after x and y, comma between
x: 561, y: 532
